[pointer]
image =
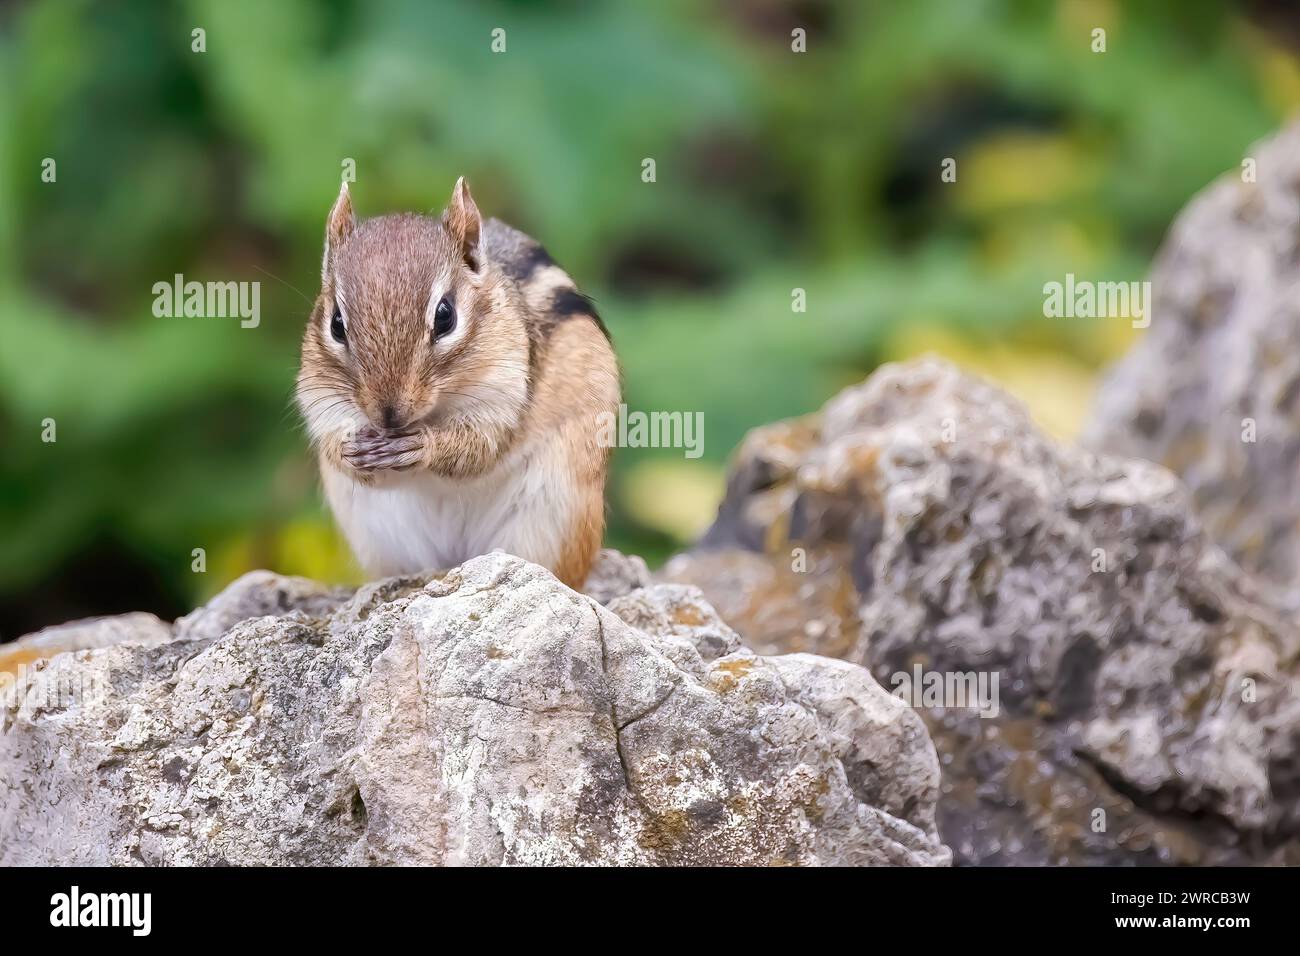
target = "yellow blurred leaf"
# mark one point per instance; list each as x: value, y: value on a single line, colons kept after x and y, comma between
x: 1017, y: 169
x: 308, y: 547
x: 1278, y: 72
x: 676, y: 496
x: 1114, y: 339
x: 1012, y: 240
x: 1076, y: 19
x: 313, y: 548
x: 225, y: 562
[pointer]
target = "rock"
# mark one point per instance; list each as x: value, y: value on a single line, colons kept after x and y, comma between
x: 258, y: 594
x: 1147, y: 705
x: 81, y: 635
x: 1212, y: 390
x: 254, y: 595
x: 813, y: 610
x: 615, y: 574
x: 486, y: 715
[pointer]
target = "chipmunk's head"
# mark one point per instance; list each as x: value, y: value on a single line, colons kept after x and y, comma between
x: 412, y: 322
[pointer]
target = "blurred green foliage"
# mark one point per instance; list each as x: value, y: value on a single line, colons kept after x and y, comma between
x: 775, y: 171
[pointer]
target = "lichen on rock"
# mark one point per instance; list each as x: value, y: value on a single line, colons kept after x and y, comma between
x: 485, y: 715
x: 1139, y: 672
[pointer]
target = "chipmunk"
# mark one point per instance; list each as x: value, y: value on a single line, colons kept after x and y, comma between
x: 452, y: 379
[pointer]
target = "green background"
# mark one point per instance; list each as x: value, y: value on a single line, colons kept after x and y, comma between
x: 775, y: 171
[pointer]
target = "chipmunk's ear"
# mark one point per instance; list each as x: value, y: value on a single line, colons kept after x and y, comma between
x: 464, y: 224
x: 338, y: 227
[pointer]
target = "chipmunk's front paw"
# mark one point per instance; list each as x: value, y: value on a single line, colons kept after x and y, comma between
x: 371, y: 450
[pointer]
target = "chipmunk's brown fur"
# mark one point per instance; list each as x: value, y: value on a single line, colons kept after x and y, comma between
x: 434, y: 444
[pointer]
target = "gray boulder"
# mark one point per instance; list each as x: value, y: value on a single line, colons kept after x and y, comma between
x: 488, y: 715
x: 1212, y: 390
x: 16, y: 656
x: 1147, y: 704
x: 615, y: 574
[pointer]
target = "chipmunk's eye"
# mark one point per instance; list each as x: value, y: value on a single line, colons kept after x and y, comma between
x: 444, y: 318
x: 337, y: 328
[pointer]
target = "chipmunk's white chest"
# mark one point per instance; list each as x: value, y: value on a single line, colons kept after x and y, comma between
x: 419, y: 521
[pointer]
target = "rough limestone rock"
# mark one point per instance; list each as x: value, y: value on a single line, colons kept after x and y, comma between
x: 254, y: 595
x: 615, y: 574
x: 488, y: 715
x: 17, y: 656
x: 1139, y: 674
x: 1212, y: 390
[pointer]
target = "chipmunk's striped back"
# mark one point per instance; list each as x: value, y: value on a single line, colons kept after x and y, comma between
x: 550, y: 293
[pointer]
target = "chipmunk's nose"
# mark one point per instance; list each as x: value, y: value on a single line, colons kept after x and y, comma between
x: 391, y: 420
